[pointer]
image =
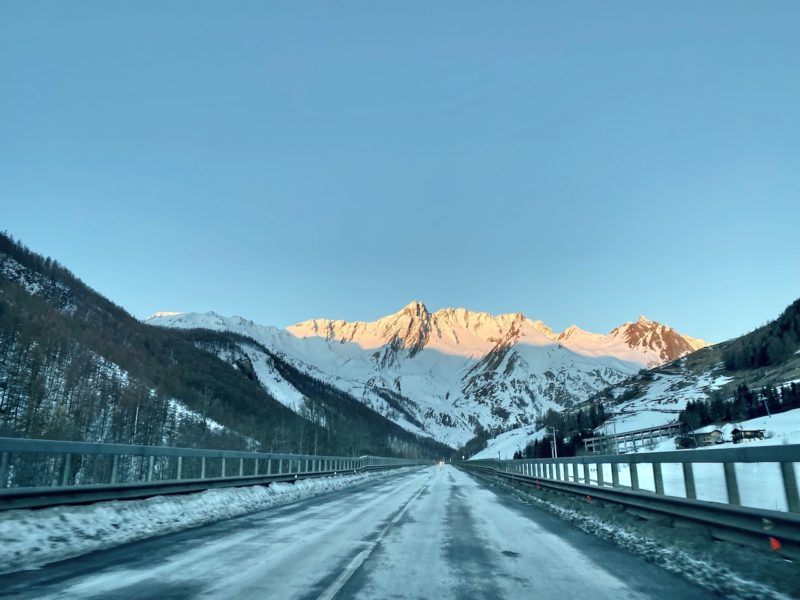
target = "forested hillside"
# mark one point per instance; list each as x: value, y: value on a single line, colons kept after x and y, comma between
x: 73, y: 365
x: 768, y: 345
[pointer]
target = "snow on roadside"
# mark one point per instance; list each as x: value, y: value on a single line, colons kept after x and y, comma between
x: 32, y: 538
x: 718, y: 579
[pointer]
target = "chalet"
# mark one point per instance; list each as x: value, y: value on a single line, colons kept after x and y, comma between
x: 743, y: 435
x: 708, y: 438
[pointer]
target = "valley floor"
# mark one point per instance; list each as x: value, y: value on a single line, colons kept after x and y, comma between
x: 428, y: 533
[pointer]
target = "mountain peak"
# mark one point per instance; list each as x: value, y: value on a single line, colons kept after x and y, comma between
x: 570, y: 331
x: 163, y: 313
x: 643, y: 319
x: 415, y: 308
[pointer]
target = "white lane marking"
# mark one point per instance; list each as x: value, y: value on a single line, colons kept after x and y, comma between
x: 359, y: 559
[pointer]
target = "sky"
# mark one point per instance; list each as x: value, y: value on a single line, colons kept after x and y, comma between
x: 581, y: 162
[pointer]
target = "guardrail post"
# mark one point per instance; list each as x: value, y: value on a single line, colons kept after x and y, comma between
x: 790, y: 486
x: 223, y: 466
x: 599, y: 468
x: 634, y: 476
x: 150, y: 465
x: 731, y: 484
x: 203, y: 467
x: 4, y: 459
x: 241, y: 467
x: 255, y: 468
x: 615, y: 475
x: 280, y: 466
x: 66, y: 475
x: 269, y: 466
x: 688, y: 481
x: 180, y: 467
x: 658, y: 478
x: 114, y: 468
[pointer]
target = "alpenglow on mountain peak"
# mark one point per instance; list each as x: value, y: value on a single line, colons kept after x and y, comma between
x: 442, y: 372
x: 465, y: 332
x: 415, y: 307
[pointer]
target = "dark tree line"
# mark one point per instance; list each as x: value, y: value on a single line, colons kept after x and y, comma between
x: 572, y: 427
x: 768, y: 345
x: 745, y: 404
x: 73, y: 365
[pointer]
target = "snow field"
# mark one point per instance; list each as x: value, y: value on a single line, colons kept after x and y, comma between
x: 760, y: 484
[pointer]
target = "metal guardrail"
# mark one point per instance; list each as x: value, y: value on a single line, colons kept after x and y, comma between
x: 38, y: 473
x: 724, y: 488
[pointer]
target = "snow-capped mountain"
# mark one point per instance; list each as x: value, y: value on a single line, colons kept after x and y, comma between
x: 453, y: 371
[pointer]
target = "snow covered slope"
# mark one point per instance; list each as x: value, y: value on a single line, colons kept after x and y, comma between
x: 452, y: 372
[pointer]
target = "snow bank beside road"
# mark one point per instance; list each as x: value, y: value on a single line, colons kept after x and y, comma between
x: 31, y: 538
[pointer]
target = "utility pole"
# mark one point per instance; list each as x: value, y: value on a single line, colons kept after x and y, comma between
x: 554, y: 451
x: 769, y: 414
x: 614, y: 421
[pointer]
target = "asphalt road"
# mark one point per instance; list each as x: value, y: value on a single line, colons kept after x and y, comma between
x: 433, y: 533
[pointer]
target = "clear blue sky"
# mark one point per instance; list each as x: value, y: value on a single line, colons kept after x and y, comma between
x: 578, y: 161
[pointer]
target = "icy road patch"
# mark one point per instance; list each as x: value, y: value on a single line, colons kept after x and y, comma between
x: 32, y: 538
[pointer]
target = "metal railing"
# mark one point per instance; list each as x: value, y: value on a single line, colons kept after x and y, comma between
x: 617, y: 443
x: 751, y: 489
x: 35, y: 473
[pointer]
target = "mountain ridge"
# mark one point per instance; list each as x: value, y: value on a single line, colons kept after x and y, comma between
x: 455, y: 371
